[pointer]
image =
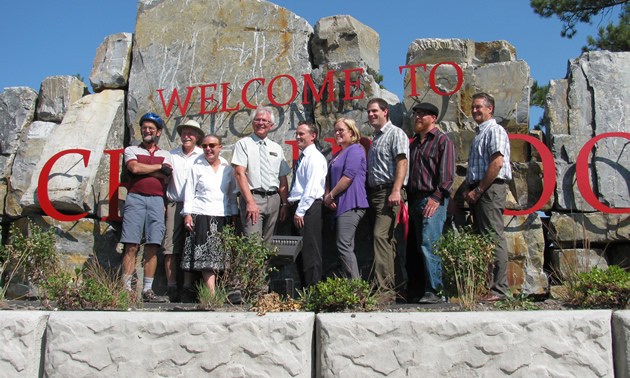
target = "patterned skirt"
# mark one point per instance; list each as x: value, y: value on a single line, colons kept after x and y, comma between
x: 202, y: 247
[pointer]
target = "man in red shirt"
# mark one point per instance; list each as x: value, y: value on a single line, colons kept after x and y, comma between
x: 148, y: 167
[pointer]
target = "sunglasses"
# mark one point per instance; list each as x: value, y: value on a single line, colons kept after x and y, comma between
x: 211, y: 145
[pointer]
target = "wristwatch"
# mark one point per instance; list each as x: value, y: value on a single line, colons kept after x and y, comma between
x: 478, y: 190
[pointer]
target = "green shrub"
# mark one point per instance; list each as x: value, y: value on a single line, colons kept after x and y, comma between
x: 247, y: 264
x: 516, y: 302
x: 209, y: 300
x: 29, y: 257
x: 94, y: 287
x: 601, y: 288
x: 340, y: 294
x: 466, y: 257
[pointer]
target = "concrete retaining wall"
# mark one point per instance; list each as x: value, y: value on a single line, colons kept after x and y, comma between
x: 536, y: 343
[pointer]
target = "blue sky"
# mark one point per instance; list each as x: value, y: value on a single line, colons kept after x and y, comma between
x: 47, y: 38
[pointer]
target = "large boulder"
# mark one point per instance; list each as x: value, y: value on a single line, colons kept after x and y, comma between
x: 112, y: 63
x: 56, y: 95
x: 348, y: 48
x: 584, y: 106
x: 611, y: 158
x: 569, y: 230
x: 94, y: 123
x: 17, y: 111
x: 485, y: 67
x: 571, y: 260
x: 339, y: 39
x: 526, y: 246
x: 33, y: 140
x: 218, y: 47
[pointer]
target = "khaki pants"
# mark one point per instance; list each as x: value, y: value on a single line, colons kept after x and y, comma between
x: 487, y: 215
x: 389, y: 246
x: 269, y: 207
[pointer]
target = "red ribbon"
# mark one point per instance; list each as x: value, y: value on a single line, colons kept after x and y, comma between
x: 403, y: 218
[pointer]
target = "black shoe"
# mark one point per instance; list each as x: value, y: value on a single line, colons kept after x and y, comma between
x: 235, y: 297
x: 172, y: 294
x: 150, y: 297
x: 189, y: 296
x: 430, y: 298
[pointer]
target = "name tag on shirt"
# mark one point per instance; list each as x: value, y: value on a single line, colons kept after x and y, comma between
x: 273, y: 154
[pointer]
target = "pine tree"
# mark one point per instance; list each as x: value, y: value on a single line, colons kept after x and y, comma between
x: 572, y: 12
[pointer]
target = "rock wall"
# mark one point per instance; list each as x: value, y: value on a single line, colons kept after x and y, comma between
x: 592, y: 100
x: 465, y: 344
x: 214, y: 61
x: 529, y: 343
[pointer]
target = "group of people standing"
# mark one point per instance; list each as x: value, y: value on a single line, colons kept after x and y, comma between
x: 378, y: 179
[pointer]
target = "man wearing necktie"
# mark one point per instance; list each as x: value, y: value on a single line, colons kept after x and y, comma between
x: 307, y: 190
x: 261, y: 174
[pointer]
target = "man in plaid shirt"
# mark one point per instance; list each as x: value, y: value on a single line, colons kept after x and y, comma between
x: 488, y: 169
x: 431, y: 172
x: 386, y: 177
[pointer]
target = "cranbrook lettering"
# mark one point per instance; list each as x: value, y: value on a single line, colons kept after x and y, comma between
x: 549, y: 177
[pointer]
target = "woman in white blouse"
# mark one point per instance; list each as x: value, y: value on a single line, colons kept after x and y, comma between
x: 209, y: 205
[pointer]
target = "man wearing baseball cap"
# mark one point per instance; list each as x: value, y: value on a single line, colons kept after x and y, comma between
x: 431, y: 172
x: 148, y: 167
x: 183, y: 157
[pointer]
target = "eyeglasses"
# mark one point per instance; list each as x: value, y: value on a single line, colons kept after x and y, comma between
x: 210, y: 145
x: 419, y: 114
x: 263, y: 121
x: 339, y: 131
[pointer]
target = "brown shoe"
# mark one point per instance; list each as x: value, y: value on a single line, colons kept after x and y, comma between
x: 491, y: 297
x: 150, y: 297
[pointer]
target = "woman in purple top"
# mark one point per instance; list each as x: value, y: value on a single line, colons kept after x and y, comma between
x: 345, y: 191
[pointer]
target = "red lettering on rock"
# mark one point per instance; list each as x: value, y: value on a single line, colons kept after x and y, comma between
x: 460, y: 78
x: 348, y: 83
x: 549, y: 174
x: 114, y: 184
x: 317, y: 96
x: 244, y: 92
x: 204, y: 99
x: 224, y: 90
x: 412, y: 79
x: 175, y: 95
x: 42, y: 186
x: 582, y: 174
x: 293, y: 90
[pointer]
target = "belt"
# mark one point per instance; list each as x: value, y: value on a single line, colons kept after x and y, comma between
x: 265, y: 192
x: 475, y: 184
x: 380, y: 187
x: 296, y: 202
x: 420, y: 195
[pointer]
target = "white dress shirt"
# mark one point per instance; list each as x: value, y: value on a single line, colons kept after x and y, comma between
x: 181, y: 169
x: 310, y: 180
x: 208, y: 192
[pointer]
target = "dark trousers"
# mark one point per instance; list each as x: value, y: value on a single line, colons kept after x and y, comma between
x: 309, y: 261
x: 488, y: 219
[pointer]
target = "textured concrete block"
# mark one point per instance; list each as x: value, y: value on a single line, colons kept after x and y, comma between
x: 621, y: 348
x: 546, y: 343
x: 21, y: 334
x: 179, y: 344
